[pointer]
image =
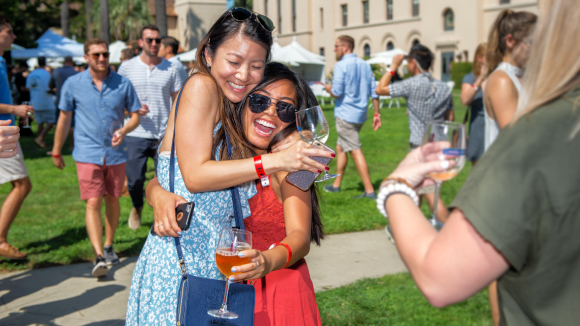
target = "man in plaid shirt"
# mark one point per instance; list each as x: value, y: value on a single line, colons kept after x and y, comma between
x: 427, y: 99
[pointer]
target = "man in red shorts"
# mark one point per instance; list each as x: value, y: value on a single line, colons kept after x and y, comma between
x: 98, y: 97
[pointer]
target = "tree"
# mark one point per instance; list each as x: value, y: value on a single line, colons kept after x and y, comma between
x: 64, y: 18
x: 161, y: 16
x: 243, y: 3
x: 28, y: 22
x: 88, y: 18
x: 127, y: 18
x: 104, y: 28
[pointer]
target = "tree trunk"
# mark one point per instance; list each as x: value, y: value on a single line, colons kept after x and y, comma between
x: 105, y: 21
x: 88, y: 18
x: 161, y: 17
x: 64, y: 22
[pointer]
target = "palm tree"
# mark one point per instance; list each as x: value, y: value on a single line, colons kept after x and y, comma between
x: 88, y: 18
x: 104, y: 4
x: 64, y: 18
x: 127, y: 18
x: 161, y: 16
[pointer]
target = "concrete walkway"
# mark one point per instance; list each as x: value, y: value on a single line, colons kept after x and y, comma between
x: 69, y: 295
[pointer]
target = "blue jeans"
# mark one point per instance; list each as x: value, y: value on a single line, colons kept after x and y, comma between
x: 140, y: 149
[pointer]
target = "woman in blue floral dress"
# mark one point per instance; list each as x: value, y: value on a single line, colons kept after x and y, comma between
x: 230, y: 63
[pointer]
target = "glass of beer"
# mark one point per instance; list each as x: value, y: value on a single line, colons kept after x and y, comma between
x: 443, y: 141
x: 231, y: 242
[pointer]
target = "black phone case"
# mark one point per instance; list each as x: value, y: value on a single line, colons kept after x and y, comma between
x: 183, y: 214
x: 304, y: 179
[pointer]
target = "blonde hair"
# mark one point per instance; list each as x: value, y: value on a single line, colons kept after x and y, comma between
x: 518, y: 24
x: 553, y: 67
x: 479, y: 51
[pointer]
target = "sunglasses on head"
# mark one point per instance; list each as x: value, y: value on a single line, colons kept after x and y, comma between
x: 150, y: 40
x: 97, y: 55
x: 241, y: 14
x: 285, y: 111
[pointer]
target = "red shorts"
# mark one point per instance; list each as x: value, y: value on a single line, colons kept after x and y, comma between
x: 100, y: 180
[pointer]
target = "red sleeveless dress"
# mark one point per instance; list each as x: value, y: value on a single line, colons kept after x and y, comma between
x: 286, y: 296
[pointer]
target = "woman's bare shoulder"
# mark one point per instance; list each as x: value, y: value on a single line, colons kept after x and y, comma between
x: 200, y: 82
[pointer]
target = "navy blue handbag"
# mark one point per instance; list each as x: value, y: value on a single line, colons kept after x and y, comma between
x: 196, y: 294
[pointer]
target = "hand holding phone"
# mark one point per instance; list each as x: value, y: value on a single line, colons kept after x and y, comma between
x: 183, y: 215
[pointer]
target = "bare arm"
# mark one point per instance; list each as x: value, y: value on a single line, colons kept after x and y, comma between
x: 133, y: 123
x: 328, y: 88
x: 377, y: 116
x: 383, y: 86
x: 17, y: 110
x: 62, y: 128
x: 450, y: 115
x: 468, y: 91
x: 501, y: 98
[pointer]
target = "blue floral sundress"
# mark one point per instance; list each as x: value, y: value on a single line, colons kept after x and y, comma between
x: 153, y: 295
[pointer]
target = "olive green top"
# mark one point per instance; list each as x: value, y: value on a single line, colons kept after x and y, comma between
x: 523, y: 197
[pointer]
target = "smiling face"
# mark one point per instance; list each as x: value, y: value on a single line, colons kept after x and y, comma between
x: 260, y: 128
x: 237, y: 66
x: 95, y: 58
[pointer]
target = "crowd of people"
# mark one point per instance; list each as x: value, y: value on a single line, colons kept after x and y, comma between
x: 512, y: 226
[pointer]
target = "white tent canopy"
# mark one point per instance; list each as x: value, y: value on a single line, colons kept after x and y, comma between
x: 51, y: 45
x: 187, y: 56
x: 115, y: 50
x: 385, y: 57
x: 300, y: 60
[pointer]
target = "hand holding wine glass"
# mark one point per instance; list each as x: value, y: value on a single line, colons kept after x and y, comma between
x: 231, y: 242
x: 144, y: 107
x: 117, y: 134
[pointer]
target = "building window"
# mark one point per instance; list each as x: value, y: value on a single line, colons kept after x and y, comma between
x: 415, y: 8
x: 367, y: 51
x: 344, y: 15
x: 389, y: 9
x: 415, y: 42
x: 448, y: 20
x: 293, y: 15
x: 365, y: 12
x: 279, y: 16
x: 322, y: 52
x: 321, y: 18
x: 504, y: 2
x: 266, y: 8
x: 390, y: 46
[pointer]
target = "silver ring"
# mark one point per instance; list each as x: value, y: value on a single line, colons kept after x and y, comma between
x: 257, y: 264
x: 159, y: 224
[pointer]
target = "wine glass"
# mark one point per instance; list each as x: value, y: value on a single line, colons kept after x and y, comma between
x: 231, y: 242
x: 443, y: 141
x: 312, y: 126
x: 28, y: 114
x: 115, y: 130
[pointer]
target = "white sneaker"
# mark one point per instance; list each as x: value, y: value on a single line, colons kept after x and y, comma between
x: 100, y: 268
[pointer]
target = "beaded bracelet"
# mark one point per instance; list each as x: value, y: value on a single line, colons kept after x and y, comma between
x: 394, y: 186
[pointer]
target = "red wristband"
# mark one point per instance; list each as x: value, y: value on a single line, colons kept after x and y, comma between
x: 391, y: 72
x: 258, y: 166
x: 58, y: 155
x: 289, y: 252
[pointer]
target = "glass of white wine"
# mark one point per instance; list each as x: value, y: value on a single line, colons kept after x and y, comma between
x: 443, y: 141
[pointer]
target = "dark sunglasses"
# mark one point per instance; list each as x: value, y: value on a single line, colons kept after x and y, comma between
x: 97, y: 55
x: 241, y: 14
x: 285, y: 111
x: 150, y: 40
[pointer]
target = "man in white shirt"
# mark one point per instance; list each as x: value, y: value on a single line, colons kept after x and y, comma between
x: 168, y: 50
x: 43, y: 103
x: 156, y: 82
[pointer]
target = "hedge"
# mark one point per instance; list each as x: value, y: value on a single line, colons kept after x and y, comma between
x: 458, y: 70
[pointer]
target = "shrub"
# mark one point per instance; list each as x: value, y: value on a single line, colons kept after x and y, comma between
x: 458, y: 70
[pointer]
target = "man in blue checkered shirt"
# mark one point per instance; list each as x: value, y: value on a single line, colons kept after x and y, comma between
x: 427, y: 99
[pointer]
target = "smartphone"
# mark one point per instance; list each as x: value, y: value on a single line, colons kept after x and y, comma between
x: 304, y: 179
x: 183, y: 214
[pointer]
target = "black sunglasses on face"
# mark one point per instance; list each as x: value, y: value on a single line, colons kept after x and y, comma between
x: 241, y: 14
x: 97, y: 55
x: 285, y: 111
x: 150, y: 40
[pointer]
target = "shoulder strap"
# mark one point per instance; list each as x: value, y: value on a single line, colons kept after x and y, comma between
x: 171, y: 159
x: 236, y: 195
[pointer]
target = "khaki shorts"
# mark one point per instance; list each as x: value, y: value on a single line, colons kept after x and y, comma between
x: 13, y: 168
x: 348, y: 134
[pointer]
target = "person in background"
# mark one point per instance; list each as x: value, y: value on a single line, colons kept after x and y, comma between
x: 427, y: 99
x: 12, y: 169
x: 42, y: 101
x: 516, y: 217
x: 507, y: 52
x: 59, y: 76
x: 127, y: 54
x: 135, y: 46
x: 168, y: 50
x: 20, y: 82
x: 99, y: 98
x: 472, y: 96
x: 508, y: 47
x: 190, y: 67
x: 352, y: 85
x: 156, y: 82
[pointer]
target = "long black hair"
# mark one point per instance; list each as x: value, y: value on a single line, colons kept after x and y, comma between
x: 222, y: 30
x: 275, y: 72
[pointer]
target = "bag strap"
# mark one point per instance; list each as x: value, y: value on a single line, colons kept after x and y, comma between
x: 234, y: 190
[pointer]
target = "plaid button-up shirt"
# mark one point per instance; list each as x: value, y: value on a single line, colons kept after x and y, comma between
x: 427, y: 99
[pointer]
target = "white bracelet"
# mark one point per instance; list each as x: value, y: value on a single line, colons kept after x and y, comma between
x: 391, y: 187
